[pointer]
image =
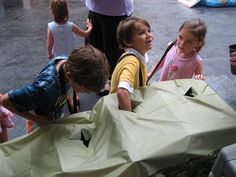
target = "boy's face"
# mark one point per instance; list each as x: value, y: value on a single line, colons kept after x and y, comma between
x: 142, y: 38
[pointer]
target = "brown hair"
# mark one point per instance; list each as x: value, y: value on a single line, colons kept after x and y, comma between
x: 197, y: 27
x: 126, y: 29
x: 88, y: 67
x: 59, y: 10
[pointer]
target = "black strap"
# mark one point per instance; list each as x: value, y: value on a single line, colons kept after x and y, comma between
x: 162, y: 58
x: 140, y: 69
x: 63, y: 90
x: 62, y: 79
x: 75, y: 104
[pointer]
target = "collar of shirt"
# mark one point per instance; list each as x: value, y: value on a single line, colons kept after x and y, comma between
x: 143, y: 59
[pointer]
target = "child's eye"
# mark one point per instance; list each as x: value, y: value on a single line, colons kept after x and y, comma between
x: 141, y: 32
x: 144, y: 32
x: 190, y: 42
x: 180, y: 37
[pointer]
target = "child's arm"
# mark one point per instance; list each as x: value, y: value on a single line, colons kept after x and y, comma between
x: 124, y: 99
x: 49, y: 43
x: 4, y: 101
x: 199, y: 72
x: 81, y: 32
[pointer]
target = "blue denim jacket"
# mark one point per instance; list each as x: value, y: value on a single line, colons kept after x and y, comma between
x: 44, y: 95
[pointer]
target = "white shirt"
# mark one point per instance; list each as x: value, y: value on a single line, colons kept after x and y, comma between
x: 63, y: 37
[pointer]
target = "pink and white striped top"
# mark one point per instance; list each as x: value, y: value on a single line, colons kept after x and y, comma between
x: 179, y: 68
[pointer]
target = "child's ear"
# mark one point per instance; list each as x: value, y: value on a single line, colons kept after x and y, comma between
x: 68, y: 75
x: 200, y: 43
x: 128, y: 44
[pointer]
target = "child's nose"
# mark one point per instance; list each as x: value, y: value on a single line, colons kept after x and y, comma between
x: 149, y: 35
x: 181, y: 42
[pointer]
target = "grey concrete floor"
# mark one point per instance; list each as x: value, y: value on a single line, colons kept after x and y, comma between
x: 23, y: 26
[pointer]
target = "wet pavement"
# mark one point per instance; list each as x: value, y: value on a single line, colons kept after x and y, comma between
x: 23, y: 28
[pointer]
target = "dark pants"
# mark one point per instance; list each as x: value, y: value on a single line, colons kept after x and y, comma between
x: 103, y: 36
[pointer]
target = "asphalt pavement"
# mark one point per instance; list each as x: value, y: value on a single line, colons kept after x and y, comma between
x: 23, y: 35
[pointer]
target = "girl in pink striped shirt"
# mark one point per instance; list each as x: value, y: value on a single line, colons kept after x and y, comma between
x: 183, y: 60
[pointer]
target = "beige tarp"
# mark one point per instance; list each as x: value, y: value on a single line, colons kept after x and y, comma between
x: 166, y: 128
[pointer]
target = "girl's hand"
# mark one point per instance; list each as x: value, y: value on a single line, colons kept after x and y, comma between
x: 89, y: 24
x: 50, y: 56
x: 199, y: 77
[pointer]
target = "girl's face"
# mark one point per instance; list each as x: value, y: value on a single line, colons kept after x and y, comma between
x: 142, y: 38
x: 186, y: 43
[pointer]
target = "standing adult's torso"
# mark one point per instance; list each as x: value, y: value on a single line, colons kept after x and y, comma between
x: 111, y: 7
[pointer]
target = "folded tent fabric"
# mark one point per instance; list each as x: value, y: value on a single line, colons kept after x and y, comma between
x: 166, y: 128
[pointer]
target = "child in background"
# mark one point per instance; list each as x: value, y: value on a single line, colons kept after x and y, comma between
x: 60, y: 37
x: 5, y: 122
x: 135, y: 37
x: 183, y: 60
